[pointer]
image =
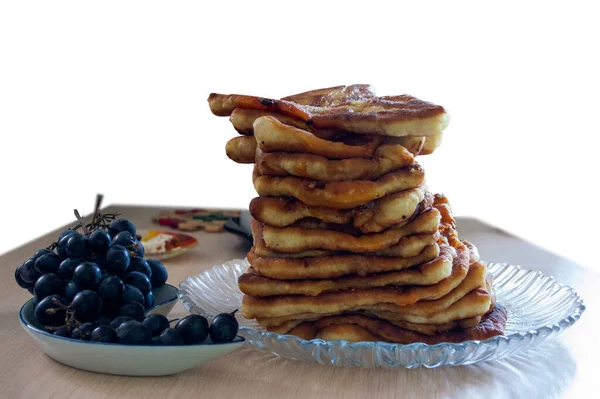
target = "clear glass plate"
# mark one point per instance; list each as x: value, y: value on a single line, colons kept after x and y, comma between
x: 538, y: 308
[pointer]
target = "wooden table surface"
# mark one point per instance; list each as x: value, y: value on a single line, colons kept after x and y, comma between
x: 564, y: 367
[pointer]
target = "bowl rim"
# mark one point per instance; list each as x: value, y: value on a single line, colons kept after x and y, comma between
x: 237, y: 340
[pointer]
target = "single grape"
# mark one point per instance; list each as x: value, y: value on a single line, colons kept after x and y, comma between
x: 49, y: 284
x: 170, y: 336
x: 117, y: 259
x: 156, y: 323
x: 72, y: 289
x: 87, y: 305
x: 65, y: 270
x: 63, y: 331
x: 111, y: 288
x: 119, y: 225
x: 159, y: 273
x: 103, y: 321
x: 87, y: 275
x: 41, y: 252
x: 138, y: 264
x: 223, y: 328
x: 156, y: 341
x: 76, y: 246
x: 132, y: 294
x: 99, y: 241
x: 135, y: 310
x: 103, y: 334
x: 134, y: 333
x: 65, y: 233
x: 51, y: 311
x: 117, y: 321
x: 61, y: 248
x: 48, y: 263
x: 149, y: 300
x: 83, y: 332
x: 193, y: 329
x: 138, y: 249
x: 29, y: 273
x: 125, y: 239
x: 140, y: 281
x: 19, y: 279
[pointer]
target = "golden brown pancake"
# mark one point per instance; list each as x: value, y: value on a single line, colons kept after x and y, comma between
x: 294, y: 239
x: 426, y: 274
x: 362, y: 328
x: 334, y: 266
x: 375, y: 216
x: 352, y: 108
x: 387, y: 158
x: 339, y: 195
x: 424, y: 299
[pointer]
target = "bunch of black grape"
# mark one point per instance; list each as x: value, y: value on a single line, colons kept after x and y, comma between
x: 92, y: 275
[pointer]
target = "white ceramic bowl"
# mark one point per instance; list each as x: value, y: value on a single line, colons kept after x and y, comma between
x: 132, y: 360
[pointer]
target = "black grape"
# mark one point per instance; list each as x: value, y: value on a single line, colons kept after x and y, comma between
x: 117, y: 259
x: 193, y: 329
x: 48, y: 263
x: 140, y: 281
x: 76, y: 246
x: 48, y: 284
x: 156, y: 323
x: 132, y: 294
x: 65, y: 233
x: 135, y: 310
x: 125, y: 239
x: 111, y: 288
x: 51, y: 311
x: 138, y: 264
x: 134, y: 333
x: 29, y: 273
x: 159, y: 273
x: 87, y: 275
x: 149, y: 300
x: 72, y: 289
x: 61, y: 248
x: 103, y: 321
x: 87, y: 305
x: 83, y: 332
x: 99, y: 241
x: 223, y: 328
x: 170, y: 336
x: 42, y: 252
x: 65, y: 270
x: 19, y: 279
x: 118, y: 225
x: 103, y: 334
x: 117, y: 321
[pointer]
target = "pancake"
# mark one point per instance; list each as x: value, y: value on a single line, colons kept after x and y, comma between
x: 334, y: 266
x: 386, y: 158
x: 357, y: 328
x: 340, y: 195
x: 373, y: 217
x: 273, y: 136
x: 404, y: 248
x: 294, y: 239
x: 241, y: 149
x: 353, y: 108
x: 426, y: 274
x: 424, y: 299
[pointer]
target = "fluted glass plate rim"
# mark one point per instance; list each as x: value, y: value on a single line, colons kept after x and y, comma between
x: 264, y: 340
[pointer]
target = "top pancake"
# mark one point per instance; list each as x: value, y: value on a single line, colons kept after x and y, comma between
x: 353, y: 108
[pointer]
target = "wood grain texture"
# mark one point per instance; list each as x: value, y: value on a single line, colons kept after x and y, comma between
x: 566, y: 367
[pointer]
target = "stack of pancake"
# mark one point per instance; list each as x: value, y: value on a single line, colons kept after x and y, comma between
x: 349, y: 244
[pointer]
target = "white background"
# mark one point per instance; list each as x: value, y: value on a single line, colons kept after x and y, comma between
x: 110, y: 97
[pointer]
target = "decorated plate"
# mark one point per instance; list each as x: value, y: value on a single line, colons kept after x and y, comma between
x: 165, y: 244
x: 538, y: 308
